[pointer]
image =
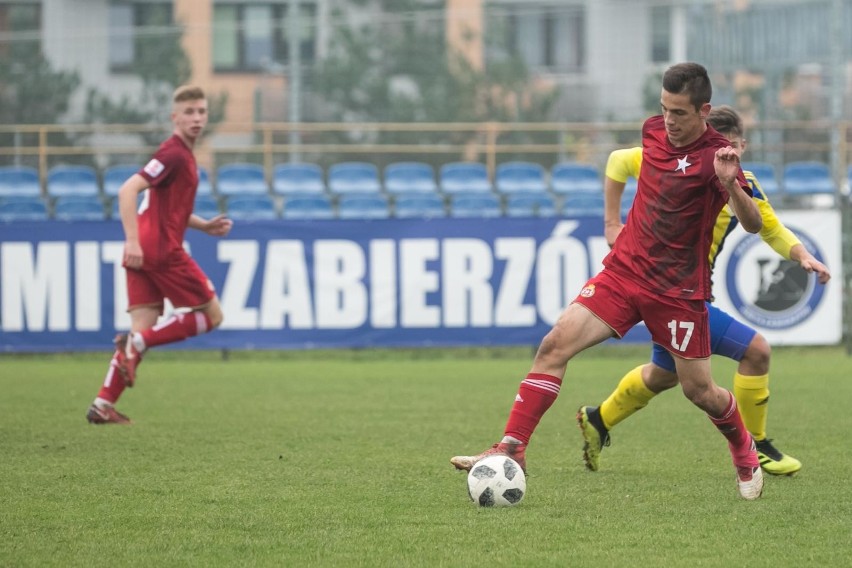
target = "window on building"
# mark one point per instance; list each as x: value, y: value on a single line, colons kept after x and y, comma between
x: 254, y: 36
x: 661, y: 34
x: 22, y: 22
x: 134, y: 28
x: 551, y: 38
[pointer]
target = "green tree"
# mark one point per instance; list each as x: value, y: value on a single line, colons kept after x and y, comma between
x: 31, y: 90
x: 401, y: 70
x: 162, y: 65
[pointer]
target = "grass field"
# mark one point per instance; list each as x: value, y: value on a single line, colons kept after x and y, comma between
x: 341, y: 459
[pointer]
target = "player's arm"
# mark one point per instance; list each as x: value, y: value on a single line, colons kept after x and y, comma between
x: 613, y: 190
x: 727, y: 165
x: 128, y: 194
x: 809, y: 263
x: 784, y: 242
x: 621, y: 165
x: 218, y: 226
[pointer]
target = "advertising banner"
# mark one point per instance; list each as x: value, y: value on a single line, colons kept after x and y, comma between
x: 440, y: 282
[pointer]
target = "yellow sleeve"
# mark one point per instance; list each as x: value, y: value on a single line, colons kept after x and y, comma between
x: 773, y: 233
x: 624, y: 163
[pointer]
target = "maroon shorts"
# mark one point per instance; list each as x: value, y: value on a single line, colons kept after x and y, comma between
x: 680, y: 326
x: 181, y: 281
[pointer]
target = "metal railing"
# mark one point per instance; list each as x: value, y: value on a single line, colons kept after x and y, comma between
x: 43, y: 146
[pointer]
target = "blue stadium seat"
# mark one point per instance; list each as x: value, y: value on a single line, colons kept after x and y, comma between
x: 308, y: 207
x: 475, y: 205
x: 20, y: 181
x: 204, y: 185
x: 23, y: 208
x: 570, y: 177
x: 290, y: 179
x: 765, y: 174
x: 241, y: 179
x: 115, y: 176
x: 354, y: 177
x: 530, y: 205
x: 72, y: 180
x: 78, y: 208
x: 419, y: 205
x: 410, y: 177
x: 362, y: 206
x: 583, y: 204
x: 206, y: 206
x: 464, y: 177
x: 808, y: 178
x: 520, y: 177
x: 251, y: 208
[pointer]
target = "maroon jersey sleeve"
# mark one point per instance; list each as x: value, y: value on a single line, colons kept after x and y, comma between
x: 165, y: 211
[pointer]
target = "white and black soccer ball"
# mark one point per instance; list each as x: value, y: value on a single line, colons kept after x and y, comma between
x: 496, y: 481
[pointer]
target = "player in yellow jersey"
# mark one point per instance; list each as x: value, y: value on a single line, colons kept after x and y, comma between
x: 728, y: 337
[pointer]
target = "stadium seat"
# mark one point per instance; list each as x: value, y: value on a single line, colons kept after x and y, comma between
x: 19, y: 181
x: 290, y: 179
x: 570, y: 177
x: 363, y: 207
x: 520, y: 177
x: 251, y: 208
x: 115, y: 176
x: 410, y: 177
x: 354, y: 177
x: 530, y: 205
x: 78, y: 208
x: 241, y: 179
x: 421, y: 206
x: 206, y: 206
x: 464, y: 177
x: 808, y: 178
x: 72, y: 180
x: 23, y: 208
x: 583, y: 204
x: 204, y: 185
x: 475, y: 205
x: 765, y: 174
x: 308, y: 207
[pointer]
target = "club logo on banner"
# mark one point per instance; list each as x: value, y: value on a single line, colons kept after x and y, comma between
x: 768, y: 290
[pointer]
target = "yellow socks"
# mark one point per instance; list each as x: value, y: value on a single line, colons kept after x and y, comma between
x: 630, y: 395
x: 753, y: 397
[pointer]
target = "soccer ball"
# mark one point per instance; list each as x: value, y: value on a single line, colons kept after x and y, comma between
x: 496, y: 481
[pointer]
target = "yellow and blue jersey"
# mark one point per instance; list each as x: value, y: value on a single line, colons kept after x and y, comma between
x: 626, y: 163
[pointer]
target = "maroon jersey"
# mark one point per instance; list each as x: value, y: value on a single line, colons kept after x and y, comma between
x: 164, y: 214
x: 665, y: 243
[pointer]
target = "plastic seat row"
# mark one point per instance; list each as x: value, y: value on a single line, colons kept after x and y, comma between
x: 799, y: 178
x: 420, y: 205
x: 343, y: 178
x: 406, y: 177
x: 321, y: 206
x: 77, y: 181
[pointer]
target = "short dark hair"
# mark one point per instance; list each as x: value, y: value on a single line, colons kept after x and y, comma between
x: 188, y: 93
x: 726, y: 120
x: 690, y: 79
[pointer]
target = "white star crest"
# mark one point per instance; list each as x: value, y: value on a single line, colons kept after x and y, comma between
x: 682, y: 164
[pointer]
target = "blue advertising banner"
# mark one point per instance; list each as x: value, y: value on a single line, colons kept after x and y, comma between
x: 305, y: 284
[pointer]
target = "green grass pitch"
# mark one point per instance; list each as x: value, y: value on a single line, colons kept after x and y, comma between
x: 341, y: 459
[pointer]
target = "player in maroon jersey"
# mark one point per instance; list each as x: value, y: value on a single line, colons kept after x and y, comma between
x: 657, y: 272
x: 157, y: 266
